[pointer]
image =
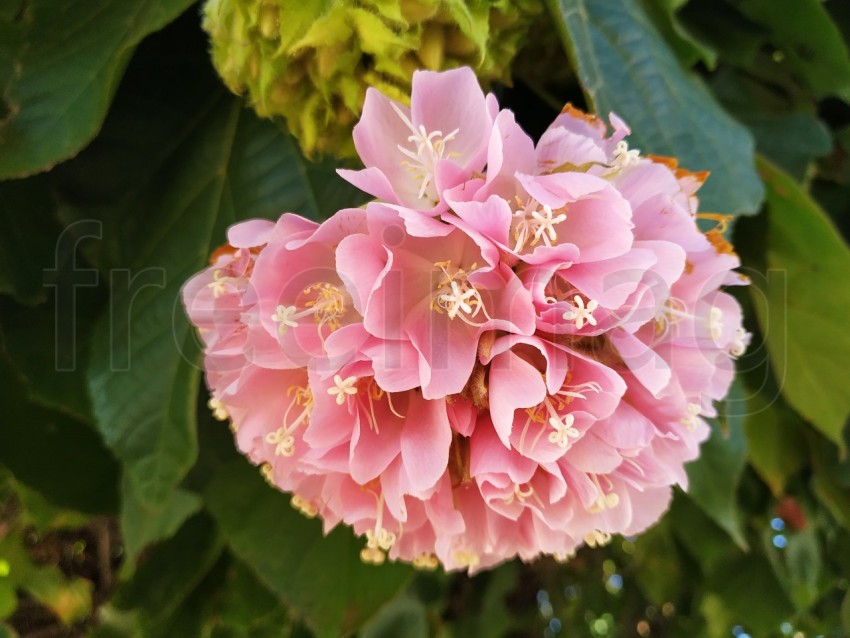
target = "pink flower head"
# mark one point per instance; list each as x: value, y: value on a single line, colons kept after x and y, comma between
x: 484, y: 363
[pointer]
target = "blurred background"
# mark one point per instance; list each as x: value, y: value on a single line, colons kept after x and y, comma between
x: 133, y: 133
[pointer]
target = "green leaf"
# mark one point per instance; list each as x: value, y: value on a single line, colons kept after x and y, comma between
x: 806, y: 34
x: 806, y: 304
x: 26, y: 212
x: 246, y: 608
x: 177, y: 162
x: 658, y: 566
x: 60, y: 63
x: 704, y: 540
x: 835, y: 497
x: 626, y: 67
x: 320, y: 577
x: 172, y: 570
x: 776, y: 442
x: 689, y: 50
x: 142, y: 524
x: 403, y: 617
x: 845, y: 613
x: 791, y: 140
x: 713, y: 478
x: 750, y: 593
x: 44, y: 515
x: 804, y: 565
x: 46, y: 450
x: 8, y: 600
x: 492, y: 618
x: 724, y: 30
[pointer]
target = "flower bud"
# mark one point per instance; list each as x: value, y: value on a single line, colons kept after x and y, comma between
x: 308, y: 65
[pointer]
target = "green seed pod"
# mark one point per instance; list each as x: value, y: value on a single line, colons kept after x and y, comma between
x: 308, y: 64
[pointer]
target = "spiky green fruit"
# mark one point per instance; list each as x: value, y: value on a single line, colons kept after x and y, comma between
x: 311, y: 62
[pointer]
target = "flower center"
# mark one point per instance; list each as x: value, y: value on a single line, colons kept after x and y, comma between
x: 674, y: 311
x: 520, y: 493
x: 428, y: 149
x: 455, y: 296
x: 222, y: 284
x: 550, y: 411
x: 532, y: 224
x: 327, y: 307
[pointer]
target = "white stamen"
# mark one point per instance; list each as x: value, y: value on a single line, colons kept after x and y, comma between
x: 430, y: 149
x: 285, y: 316
x: 597, y: 538
x: 219, y: 412
x: 342, y: 387
x: 691, y: 420
x: 623, y: 156
x: 220, y: 284
x: 283, y: 438
x: 578, y: 391
x: 455, y: 296
x: 378, y: 540
x: 466, y: 558
x: 546, y: 223
x: 604, y: 500
x: 530, y: 224
x: 520, y: 493
x: 562, y: 557
x: 715, y: 323
x: 739, y: 343
x: 283, y: 441
x: 307, y: 508
x: 327, y: 308
x: 564, y: 430
x: 427, y: 562
x: 581, y: 314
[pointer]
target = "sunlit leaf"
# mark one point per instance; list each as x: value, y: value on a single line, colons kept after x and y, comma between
x: 776, y: 443
x: 804, y: 314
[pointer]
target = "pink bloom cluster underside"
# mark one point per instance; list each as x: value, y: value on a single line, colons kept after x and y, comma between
x: 509, y: 352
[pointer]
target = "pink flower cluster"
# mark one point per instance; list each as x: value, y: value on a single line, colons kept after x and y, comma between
x: 509, y: 352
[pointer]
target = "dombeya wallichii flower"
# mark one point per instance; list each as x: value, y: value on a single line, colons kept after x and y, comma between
x: 510, y: 353
x: 311, y: 62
